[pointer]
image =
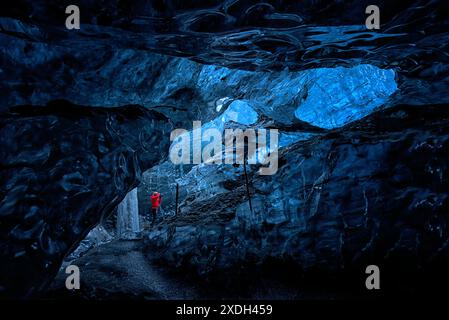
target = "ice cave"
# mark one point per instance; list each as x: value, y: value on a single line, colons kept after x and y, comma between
x: 362, y: 169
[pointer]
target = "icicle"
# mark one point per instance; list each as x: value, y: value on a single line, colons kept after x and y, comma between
x: 128, y: 217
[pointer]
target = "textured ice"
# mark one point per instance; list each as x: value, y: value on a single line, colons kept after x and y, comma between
x: 324, y: 97
x: 241, y: 112
x: 342, y: 95
x: 128, y: 216
x: 238, y: 111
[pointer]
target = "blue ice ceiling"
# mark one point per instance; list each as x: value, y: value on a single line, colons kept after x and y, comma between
x: 238, y: 111
x: 326, y: 97
x: 342, y: 95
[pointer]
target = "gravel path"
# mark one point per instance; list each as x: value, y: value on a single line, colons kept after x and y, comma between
x: 120, y: 269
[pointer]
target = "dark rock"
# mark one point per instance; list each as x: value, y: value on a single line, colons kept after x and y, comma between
x: 63, y: 168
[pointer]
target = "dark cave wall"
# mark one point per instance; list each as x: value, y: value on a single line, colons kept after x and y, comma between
x: 63, y: 168
x: 373, y: 192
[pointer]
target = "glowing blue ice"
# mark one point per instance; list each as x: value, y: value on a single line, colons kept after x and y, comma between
x: 241, y: 112
x: 286, y: 139
x: 342, y: 95
x: 324, y: 97
x: 238, y: 111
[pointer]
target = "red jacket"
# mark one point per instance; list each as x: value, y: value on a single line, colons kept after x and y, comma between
x: 156, y: 200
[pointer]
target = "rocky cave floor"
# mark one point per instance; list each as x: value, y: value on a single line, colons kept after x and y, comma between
x: 120, y: 270
x: 127, y: 269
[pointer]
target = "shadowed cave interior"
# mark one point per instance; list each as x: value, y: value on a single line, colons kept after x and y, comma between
x: 85, y: 123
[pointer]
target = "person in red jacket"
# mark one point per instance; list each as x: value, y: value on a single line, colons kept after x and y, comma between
x: 156, y: 200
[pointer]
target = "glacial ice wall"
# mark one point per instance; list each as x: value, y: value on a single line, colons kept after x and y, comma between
x: 184, y: 90
x: 128, y: 225
x: 338, y: 96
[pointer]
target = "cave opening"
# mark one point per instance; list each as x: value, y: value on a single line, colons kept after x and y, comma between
x: 207, y: 196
